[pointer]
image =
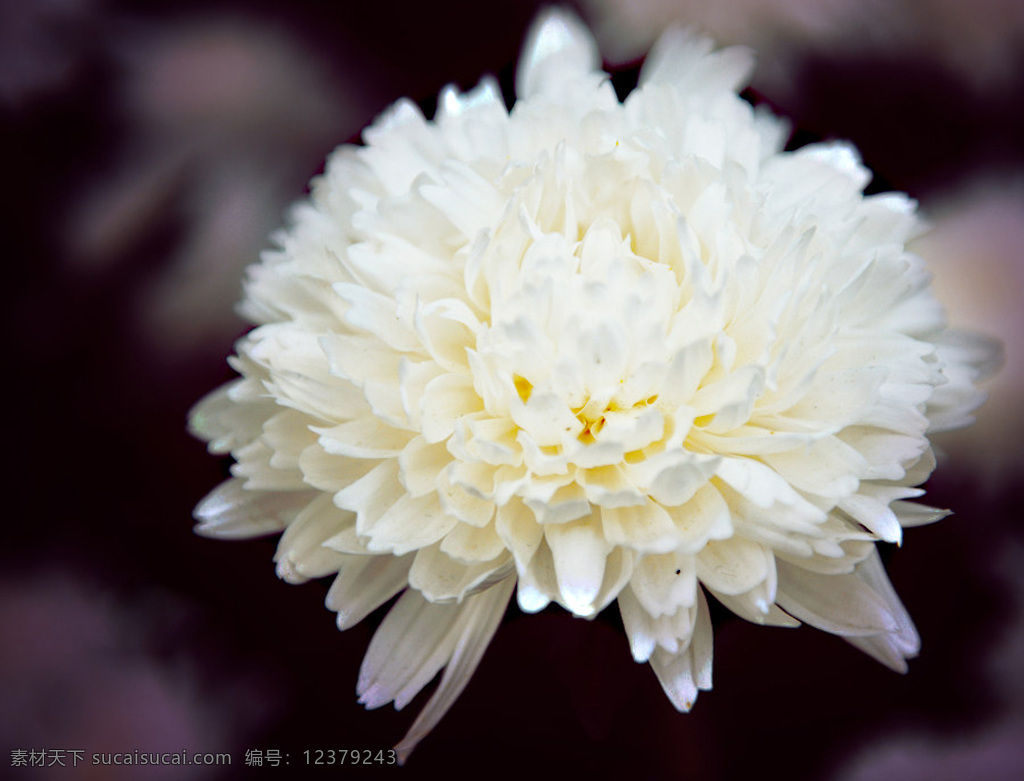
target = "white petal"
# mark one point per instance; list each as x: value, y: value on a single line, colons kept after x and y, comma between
x: 331, y: 473
x: 421, y: 465
x: 579, y: 551
x: 681, y: 58
x: 892, y: 648
x: 684, y: 673
x: 225, y: 423
x: 646, y: 528
x: 538, y: 582
x: 364, y: 583
x: 364, y: 438
x: 301, y: 554
x: 735, y: 566
x: 519, y: 532
x: 471, y: 544
x: 914, y: 514
x: 840, y: 604
x: 231, y: 511
x: 440, y: 578
x: 558, y: 47
x: 481, y: 616
x: 414, y: 641
x: 407, y: 524
x: 755, y: 607
x: 663, y: 583
x: 445, y: 399
x: 254, y: 465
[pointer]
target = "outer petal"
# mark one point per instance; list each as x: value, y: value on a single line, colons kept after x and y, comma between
x: 232, y: 511
x: 840, y: 604
x: 416, y: 640
x: 683, y: 673
x: 580, y: 552
x: 364, y: 583
x: 892, y: 648
x: 557, y: 49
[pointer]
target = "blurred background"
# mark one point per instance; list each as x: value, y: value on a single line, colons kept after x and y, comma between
x: 149, y: 148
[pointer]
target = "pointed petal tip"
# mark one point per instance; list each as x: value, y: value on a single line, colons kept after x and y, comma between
x: 287, y: 571
x: 372, y: 696
x: 559, y: 38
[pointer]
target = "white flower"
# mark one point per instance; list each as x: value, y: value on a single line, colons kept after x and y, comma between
x: 589, y: 351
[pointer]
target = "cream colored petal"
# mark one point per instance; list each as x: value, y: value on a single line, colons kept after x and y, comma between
x: 445, y: 399
x: 670, y: 632
x: 892, y: 648
x: 350, y: 541
x: 567, y: 503
x: 224, y: 423
x: 363, y: 438
x: 472, y: 544
x: 686, y: 60
x: 407, y: 525
x: 441, y: 579
x: 231, y: 511
x: 253, y: 464
x: 360, y: 359
x: 645, y: 528
x: 414, y: 641
x: 447, y: 328
x: 364, y: 583
x: 607, y: 486
x: 481, y: 616
x: 684, y: 673
x: 301, y: 554
x: 287, y: 434
x: 372, y: 494
x: 376, y: 314
x: 871, y: 508
x: 422, y: 464
x: 331, y: 473
x: 519, y: 531
x: 538, y: 581
x: 757, y: 483
x: 673, y: 477
x: 413, y: 378
x: 462, y: 504
x: 706, y: 516
x: 663, y: 583
x: 913, y: 514
x: 824, y: 467
x: 735, y: 566
x: 754, y: 607
x: 618, y: 570
x: 579, y: 552
x: 852, y: 551
x: 840, y: 604
x: 886, y: 454
x: 558, y: 48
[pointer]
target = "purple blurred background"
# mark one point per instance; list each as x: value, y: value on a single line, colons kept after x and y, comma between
x: 149, y: 150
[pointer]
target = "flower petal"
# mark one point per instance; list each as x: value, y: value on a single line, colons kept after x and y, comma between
x: 231, y: 511
x: 840, y: 604
x: 480, y: 619
x: 558, y: 47
x: 364, y: 583
x: 683, y: 673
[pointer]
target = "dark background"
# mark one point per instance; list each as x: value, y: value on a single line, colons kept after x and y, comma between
x: 149, y: 148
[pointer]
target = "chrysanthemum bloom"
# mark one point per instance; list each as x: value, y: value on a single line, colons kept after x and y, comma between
x: 589, y: 351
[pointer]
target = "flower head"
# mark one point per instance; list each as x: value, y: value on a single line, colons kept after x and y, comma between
x: 589, y: 351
